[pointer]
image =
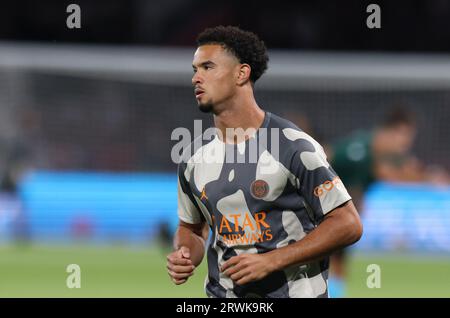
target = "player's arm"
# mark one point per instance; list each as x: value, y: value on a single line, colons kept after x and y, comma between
x: 193, y: 237
x: 191, y: 234
x: 189, y: 248
x: 341, y: 227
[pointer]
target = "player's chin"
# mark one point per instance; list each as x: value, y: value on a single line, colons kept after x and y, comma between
x: 205, y: 107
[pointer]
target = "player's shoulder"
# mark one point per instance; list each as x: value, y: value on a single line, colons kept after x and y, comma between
x: 192, y: 152
x: 280, y: 122
x: 292, y: 137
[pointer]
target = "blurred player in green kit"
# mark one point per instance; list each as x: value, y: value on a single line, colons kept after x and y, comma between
x: 383, y: 153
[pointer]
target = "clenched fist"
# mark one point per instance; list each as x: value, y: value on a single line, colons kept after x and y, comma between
x: 179, y: 265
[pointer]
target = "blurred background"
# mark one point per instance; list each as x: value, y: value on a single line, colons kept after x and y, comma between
x: 86, y: 117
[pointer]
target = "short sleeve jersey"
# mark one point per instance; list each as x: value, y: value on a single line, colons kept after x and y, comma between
x: 259, y: 200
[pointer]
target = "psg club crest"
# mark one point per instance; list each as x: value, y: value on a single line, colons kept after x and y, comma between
x: 259, y: 189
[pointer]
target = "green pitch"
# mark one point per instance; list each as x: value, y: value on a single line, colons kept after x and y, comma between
x: 122, y: 271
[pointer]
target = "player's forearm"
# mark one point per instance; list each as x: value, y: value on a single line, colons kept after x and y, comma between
x: 339, y: 229
x: 195, y: 243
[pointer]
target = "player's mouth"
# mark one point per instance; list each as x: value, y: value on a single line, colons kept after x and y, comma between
x: 199, y: 92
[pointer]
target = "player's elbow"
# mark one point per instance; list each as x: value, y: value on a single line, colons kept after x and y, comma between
x: 354, y: 229
x: 353, y: 224
x: 348, y: 224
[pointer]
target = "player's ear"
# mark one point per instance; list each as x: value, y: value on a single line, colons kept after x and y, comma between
x: 243, y: 74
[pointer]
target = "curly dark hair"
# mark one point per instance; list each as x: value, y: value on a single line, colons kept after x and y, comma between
x: 245, y: 45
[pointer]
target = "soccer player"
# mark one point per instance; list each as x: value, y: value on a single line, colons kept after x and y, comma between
x: 275, y: 219
x: 380, y: 154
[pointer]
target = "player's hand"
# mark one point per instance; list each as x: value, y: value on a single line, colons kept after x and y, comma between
x: 247, y: 268
x: 179, y: 265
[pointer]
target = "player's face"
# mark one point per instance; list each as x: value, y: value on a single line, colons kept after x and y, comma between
x: 402, y: 137
x: 215, y: 74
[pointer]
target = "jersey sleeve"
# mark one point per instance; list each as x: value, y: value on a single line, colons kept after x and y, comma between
x: 317, y: 182
x: 188, y: 210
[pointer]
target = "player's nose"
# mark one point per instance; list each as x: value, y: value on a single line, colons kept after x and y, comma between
x: 196, y: 79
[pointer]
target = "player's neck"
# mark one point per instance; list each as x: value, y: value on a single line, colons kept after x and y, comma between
x: 244, y: 113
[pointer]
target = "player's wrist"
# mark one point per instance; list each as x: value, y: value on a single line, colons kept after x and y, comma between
x: 273, y: 261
